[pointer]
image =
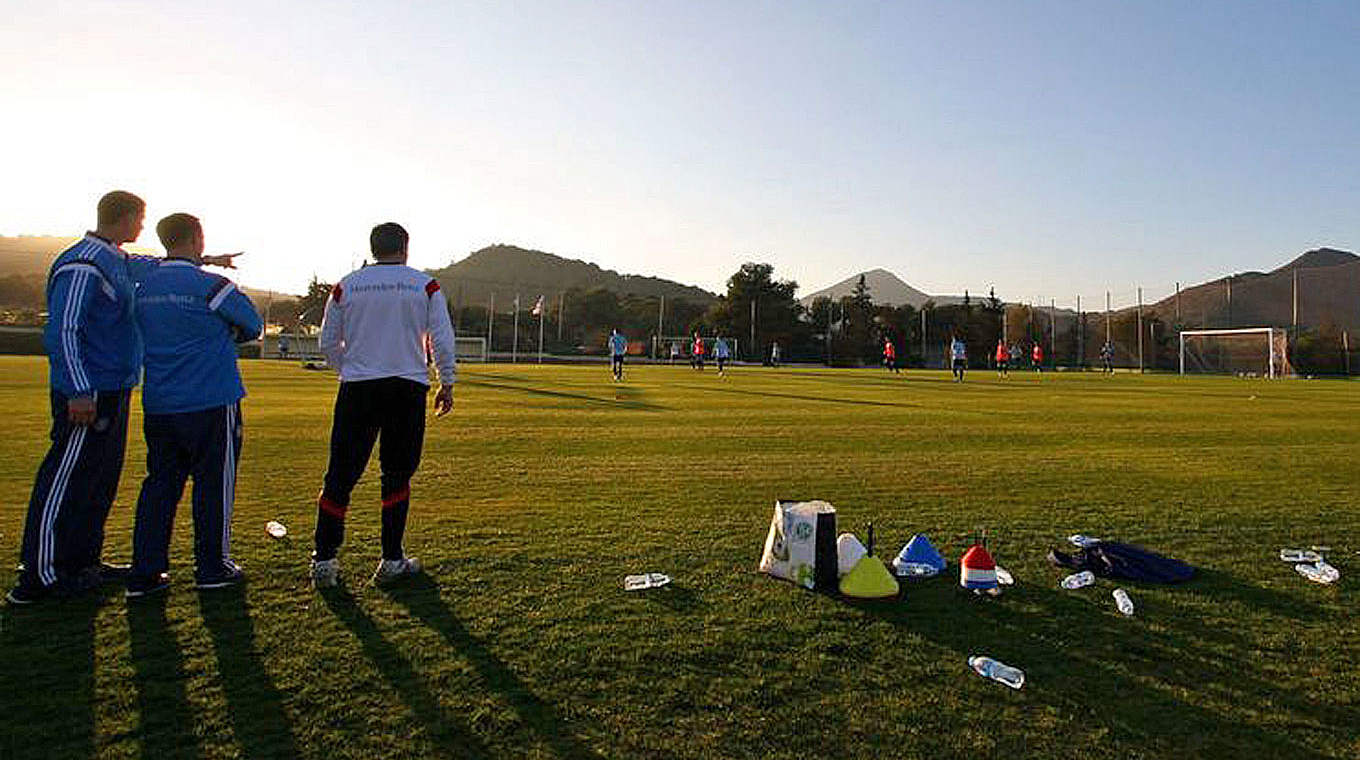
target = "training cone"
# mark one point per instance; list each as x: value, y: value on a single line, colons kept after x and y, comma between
x: 977, y: 570
x: 869, y: 579
x: 917, y: 554
x: 849, y: 551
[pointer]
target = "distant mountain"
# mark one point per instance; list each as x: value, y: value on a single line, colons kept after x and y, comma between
x: 1329, y: 288
x: 27, y: 258
x: 30, y: 254
x: 506, y: 270
x: 885, y: 288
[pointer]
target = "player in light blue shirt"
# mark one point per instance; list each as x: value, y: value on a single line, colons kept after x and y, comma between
x: 618, y: 346
x: 958, y: 352
x: 721, y: 353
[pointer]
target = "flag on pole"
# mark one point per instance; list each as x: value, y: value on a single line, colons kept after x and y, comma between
x: 538, y: 307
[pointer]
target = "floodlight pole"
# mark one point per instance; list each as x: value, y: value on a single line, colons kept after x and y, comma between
x: 1081, y: 336
x: 1346, y: 350
x: 1182, y: 364
x: 923, y: 335
x: 541, y: 313
x: 561, y: 306
x: 753, y: 325
x: 514, y: 340
x: 1053, y: 331
x: 1178, y: 304
x: 1107, y: 316
x: 1295, y: 326
x: 490, y: 322
x: 660, y: 326
x: 1140, y: 330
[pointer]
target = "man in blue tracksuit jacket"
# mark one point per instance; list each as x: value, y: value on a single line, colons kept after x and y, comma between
x: 94, y: 358
x: 190, y: 322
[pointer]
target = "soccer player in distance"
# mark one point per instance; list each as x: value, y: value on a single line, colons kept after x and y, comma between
x: 373, y: 333
x: 1036, y: 357
x: 191, y: 322
x: 958, y: 352
x: 618, y: 346
x: 1003, y: 359
x: 890, y: 356
x: 94, y: 355
x: 696, y: 358
x: 721, y: 353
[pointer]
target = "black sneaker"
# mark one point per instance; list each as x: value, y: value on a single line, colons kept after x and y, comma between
x: 138, y: 586
x: 23, y: 595
x: 229, y: 575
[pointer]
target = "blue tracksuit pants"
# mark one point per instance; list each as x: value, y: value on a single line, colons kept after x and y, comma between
x: 73, y: 491
x: 204, y: 445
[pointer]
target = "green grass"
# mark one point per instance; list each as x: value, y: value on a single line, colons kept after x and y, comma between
x: 547, y: 485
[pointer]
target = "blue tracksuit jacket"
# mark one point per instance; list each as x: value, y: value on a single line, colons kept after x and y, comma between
x: 91, y: 335
x: 190, y: 321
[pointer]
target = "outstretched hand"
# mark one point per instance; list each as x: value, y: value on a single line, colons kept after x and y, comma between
x: 443, y: 401
x: 223, y: 260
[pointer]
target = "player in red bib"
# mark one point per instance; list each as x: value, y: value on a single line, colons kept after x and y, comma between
x: 1003, y: 359
x: 890, y: 356
x: 1036, y: 357
x: 697, y: 353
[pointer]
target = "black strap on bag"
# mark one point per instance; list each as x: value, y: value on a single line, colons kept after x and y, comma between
x: 1112, y: 559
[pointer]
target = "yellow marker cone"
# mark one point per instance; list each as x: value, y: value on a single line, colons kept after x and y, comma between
x: 869, y: 579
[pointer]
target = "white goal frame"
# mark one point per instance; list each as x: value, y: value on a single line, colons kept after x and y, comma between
x: 1269, y: 334
x: 470, y: 348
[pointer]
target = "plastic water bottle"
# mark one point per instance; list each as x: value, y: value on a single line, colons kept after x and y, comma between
x: 1319, y: 573
x: 275, y: 529
x: 1299, y: 555
x: 1083, y: 541
x: 997, y: 671
x: 1004, y: 577
x: 645, y: 581
x: 1078, y: 580
x: 1123, y: 602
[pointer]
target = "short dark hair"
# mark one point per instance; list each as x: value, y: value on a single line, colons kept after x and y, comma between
x: 177, y: 228
x: 116, y: 205
x: 388, y: 239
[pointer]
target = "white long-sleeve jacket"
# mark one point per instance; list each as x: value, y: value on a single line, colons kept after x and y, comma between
x: 377, y: 321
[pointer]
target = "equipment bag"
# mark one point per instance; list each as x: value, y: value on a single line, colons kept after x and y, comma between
x: 1112, y: 559
x: 801, y: 546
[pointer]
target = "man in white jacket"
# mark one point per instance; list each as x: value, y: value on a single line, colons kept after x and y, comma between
x: 374, y: 333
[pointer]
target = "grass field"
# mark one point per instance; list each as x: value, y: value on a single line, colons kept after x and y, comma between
x: 547, y: 485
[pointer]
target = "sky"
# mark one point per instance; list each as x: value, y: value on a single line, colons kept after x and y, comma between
x: 1047, y: 149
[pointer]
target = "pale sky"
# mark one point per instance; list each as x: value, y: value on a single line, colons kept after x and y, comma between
x: 1046, y: 148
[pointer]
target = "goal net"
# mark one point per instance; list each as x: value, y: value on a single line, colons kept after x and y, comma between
x: 469, y: 349
x: 1253, y: 351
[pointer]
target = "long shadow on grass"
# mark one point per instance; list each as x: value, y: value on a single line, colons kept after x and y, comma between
x: 421, y: 597
x: 47, y: 680
x: 254, y: 704
x: 452, y: 738
x: 799, y: 397
x: 613, y: 404
x: 165, y: 719
x: 1126, y: 673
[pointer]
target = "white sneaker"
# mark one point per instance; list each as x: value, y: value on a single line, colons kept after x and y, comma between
x: 390, y: 570
x: 325, y: 573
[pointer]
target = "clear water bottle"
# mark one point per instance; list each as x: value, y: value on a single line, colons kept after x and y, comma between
x: 1083, y: 541
x: 997, y: 671
x: 645, y: 581
x: 275, y: 529
x: 1078, y: 580
x: 1319, y: 573
x: 1123, y: 602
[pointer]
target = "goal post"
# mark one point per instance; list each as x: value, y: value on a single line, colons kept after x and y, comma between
x: 1262, y: 351
x: 469, y: 349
